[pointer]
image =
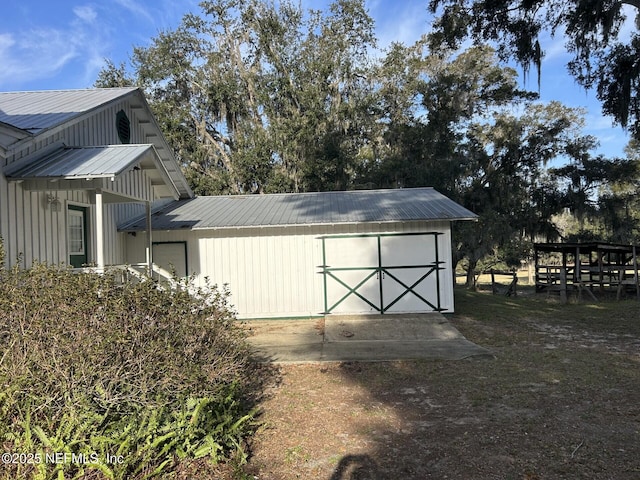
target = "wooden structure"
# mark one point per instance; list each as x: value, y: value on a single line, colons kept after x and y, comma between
x: 586, y: 268
x: 88, y: 179
x: 508, y: 290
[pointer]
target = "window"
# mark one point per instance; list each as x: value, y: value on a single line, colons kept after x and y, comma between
x: 76, y: 232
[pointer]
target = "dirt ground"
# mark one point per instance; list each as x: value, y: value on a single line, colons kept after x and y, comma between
x: 560, y: 400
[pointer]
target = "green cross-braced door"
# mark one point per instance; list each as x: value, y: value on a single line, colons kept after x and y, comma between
x: 382, y: 273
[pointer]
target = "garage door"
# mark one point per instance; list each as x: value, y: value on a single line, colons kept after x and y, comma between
x: 382, y: 273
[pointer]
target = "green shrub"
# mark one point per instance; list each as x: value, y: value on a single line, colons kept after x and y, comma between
x: 119, y: 381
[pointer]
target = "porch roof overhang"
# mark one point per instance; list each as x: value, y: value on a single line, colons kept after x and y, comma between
x: 88, y: 168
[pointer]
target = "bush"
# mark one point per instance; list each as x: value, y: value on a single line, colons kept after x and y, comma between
x: 105, y: 380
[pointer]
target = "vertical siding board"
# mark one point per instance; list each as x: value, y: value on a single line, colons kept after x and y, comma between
x: 44, y: 222
x: 13, y: 244
x: 5, y: 215
x: 265, y: 274
x: 21, y: 238
x: 4, y: 210
x: 58, y: 231
x: 36, y: 233
x: 284, y: 276
x: 243, y: 272
x: 281, y: 275
x: 270, y: 276
x: 28, y: 235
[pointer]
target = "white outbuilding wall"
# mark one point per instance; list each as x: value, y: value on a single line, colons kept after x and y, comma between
x: 277, y: 272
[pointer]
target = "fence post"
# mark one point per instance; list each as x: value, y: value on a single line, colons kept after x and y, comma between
x: 563, y: 285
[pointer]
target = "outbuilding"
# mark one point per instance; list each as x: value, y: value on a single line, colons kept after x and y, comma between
x: 312, y: 254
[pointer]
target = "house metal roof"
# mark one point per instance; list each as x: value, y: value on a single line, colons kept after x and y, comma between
x: 81, y: 162
x: 41, y: 110
x: 358, y: 206
x: 36, y: 113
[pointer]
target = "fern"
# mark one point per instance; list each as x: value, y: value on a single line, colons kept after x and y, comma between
x: 128, y: 372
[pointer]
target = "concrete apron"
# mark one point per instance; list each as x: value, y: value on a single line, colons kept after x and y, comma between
x: 366, y: 338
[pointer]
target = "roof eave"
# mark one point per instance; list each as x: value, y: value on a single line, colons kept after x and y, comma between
x: 165, y: 174
x: 132, y: 227
x: 165, y: 147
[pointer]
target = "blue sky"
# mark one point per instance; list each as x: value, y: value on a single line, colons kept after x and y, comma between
x: 62, y: 44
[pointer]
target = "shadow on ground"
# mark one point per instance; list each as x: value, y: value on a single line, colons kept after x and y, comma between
x: 558, y: 401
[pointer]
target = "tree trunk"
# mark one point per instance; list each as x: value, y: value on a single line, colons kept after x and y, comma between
x: 471, y: 274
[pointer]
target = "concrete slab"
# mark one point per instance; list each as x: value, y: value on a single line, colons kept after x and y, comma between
x: 389, y: 327
x: 338, y: 338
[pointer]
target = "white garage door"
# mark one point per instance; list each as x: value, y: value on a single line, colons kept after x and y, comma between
x: 382, y: 273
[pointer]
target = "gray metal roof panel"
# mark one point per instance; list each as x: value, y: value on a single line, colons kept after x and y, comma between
x: 41, y: 110
x: 358, y: 206
x: 80, y: 162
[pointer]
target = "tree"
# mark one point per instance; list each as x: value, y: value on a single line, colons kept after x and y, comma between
x: 260, y: 96
x: 112, y: 76
x: 476, y: 137
x: 602, y: 196
x: 429, y: 107
x: 601, y: 58
x: 506, y: 184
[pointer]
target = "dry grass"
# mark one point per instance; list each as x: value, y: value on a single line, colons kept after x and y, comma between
x: 560, y: 400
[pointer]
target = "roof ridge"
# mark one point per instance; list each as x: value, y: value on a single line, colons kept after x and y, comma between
x: 282, y: 194
x: 53, y: 90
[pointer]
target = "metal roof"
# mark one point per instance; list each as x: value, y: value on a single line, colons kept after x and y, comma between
x: 288, y: 209
x: 80, y: 162
x: 38, y: 112
x: 41, y: 110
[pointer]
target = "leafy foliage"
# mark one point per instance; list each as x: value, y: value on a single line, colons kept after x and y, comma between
x: 132, y: 373
x: 259, y: 97
x: 602, y: 195
x: 601, y: 56
x: 263, y: 97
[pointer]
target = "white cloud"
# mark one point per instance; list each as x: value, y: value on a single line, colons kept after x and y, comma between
x: 68, y: 50
x: 554, y: 48
x: 85, y: 13
x: 37, y: 53
x: 403, y: 22
x: 6, y: 42
x: 57, y: 56
x: 134, y: 7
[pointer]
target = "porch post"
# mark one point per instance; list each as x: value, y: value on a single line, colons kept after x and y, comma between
x: 147, y: 207
x: 99, y: 230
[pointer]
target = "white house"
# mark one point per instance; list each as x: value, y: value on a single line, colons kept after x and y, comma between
x: 88, y: 178
x: 75, y: 164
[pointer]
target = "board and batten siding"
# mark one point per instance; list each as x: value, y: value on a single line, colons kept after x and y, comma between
x: 37, y: 233
x: 276, y: 272
x: 31, y: 230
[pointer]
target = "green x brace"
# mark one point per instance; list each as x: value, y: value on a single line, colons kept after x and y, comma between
x: 382, y: 270
x: 353, y: 290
